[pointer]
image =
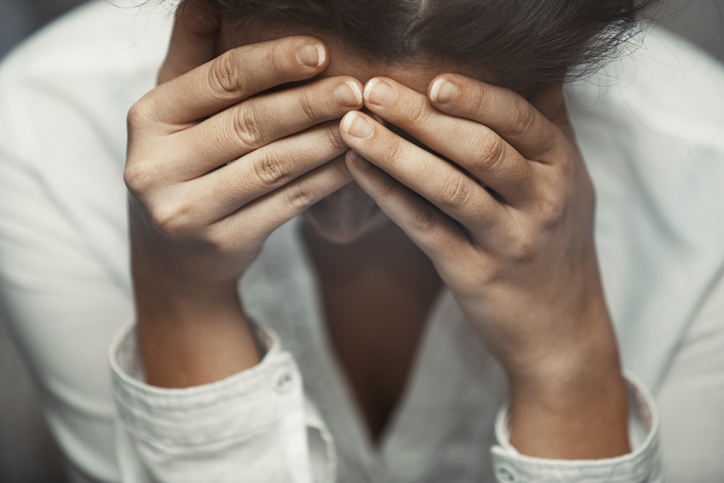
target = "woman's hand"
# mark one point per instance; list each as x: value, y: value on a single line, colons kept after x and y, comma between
x: 213, y: 168
x: 518, y: 255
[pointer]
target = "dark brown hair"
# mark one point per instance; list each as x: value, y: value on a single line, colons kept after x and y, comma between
x: 520, y: 44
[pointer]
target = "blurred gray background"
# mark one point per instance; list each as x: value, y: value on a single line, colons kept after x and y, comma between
x: 27, y: 454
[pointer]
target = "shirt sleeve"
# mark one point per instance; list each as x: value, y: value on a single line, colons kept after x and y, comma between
x: 691, y: 398
x: 253, y: 426
x: 64, y: 292
x: 642, y: 464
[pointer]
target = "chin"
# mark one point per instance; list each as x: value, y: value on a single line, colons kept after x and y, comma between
x: 345, y: 216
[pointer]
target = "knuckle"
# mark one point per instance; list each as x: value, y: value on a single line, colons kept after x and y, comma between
x: 484, y: 98
x: 388, y: 187
x: 307, y: 106
x: 492, y: 150
x: 522, y: 119
x: 137, y: 177
x: 550, y: 207
x: 456, y: 192
x: 523, y: 248
x: 139, y: 113
x: 269, y: 169
x: 171, y: 218
x: 246, y: 127
x: 223, y: 75
x: 277, y: 55
x: 219, y: 242
x: 300, y: 197
x: 486, y: 275
x: 393, y: 149
x: 333, y: 138
x: 425, y: 220
x: 417, y: 112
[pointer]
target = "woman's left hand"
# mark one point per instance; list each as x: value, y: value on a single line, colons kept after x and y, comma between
x: 519, y: 255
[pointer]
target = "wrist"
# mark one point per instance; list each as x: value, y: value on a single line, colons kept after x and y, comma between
x: 571, y: 401
x: 190, y: 335
x: 577, y: 411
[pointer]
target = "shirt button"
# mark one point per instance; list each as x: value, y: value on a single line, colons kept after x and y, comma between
x: 284, y: 380
x: 506, y: 474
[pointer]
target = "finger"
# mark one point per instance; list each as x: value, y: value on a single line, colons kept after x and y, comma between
x: 262, y: 120
x: 473, y: 146
x: 266, y: 214
x: 448, y: 188
x: 193, y: 40
x: 233, y: 77
x: 436, y: 234
x: 502, y: 110
x: 265, y: 170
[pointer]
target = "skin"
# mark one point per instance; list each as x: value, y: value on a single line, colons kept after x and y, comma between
x: 521, y: 262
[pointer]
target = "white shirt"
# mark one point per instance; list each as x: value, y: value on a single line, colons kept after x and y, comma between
x: 653, y: 139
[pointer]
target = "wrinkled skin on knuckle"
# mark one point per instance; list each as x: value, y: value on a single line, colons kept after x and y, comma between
x: 246, y: 128
x: 490, y: 149
x: 417, y: 112
x: 483, y: 98
x: 224, y: 75
x: 425, y: 221
x: 333, y: 138
x: 300, y: 197
x: 308, y: 105
x: 278, y: 56
x: 456, y: 191
x: 270, y: 169
x: 523, y: 119
x: 392, y: 146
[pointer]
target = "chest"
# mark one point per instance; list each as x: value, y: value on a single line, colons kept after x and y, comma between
x: 376, y: 326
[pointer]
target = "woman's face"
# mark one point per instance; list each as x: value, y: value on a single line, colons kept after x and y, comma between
x: 347, y: 214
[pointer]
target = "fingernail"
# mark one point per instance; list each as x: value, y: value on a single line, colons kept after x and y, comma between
x: 348, y: 94
x: 443, y: 91
x: 356, y: 125
x: 358, y: 160
x: 379, y: 92
x: 312, y: 55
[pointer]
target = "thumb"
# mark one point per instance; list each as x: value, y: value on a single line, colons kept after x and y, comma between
x: 193, y: 40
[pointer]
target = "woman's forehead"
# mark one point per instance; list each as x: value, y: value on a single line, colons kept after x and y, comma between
x: 415, y: 75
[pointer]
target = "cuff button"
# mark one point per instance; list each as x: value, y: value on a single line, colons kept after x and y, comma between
x: 284, y: 381
x: 506, y: 474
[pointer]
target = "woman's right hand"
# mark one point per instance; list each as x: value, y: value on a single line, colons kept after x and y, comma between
x: 213, y: 169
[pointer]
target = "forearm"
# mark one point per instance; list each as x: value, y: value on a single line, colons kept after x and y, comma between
x: 192, y: 338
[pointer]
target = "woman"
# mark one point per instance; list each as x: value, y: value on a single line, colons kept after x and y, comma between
x: 443, y: 267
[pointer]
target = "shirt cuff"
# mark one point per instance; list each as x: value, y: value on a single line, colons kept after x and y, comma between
x: 642, y: 464
x: 243, y: 404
